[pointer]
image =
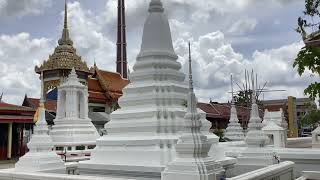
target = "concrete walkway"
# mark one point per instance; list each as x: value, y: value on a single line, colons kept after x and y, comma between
x: 7, y: 164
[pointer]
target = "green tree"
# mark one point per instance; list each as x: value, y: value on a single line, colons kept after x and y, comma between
x: 312, y: 118
x: 243, y: 98
x: 308, y: 57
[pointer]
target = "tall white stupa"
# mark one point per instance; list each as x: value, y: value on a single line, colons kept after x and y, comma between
x: 41, y: 157
x: 234, y: 130
x: 143, y: 133
x: 73, y: 131
x: 192, y: 161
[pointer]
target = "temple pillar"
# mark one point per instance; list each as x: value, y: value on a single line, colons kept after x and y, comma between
x: 59, y: 114
x: 86, y: 108
x: 67, y: 103
x: 9, y: 145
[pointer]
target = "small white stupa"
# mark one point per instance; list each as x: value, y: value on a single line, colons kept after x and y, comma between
x: 257, y: 155
x: 41, y: 157
x: 142, y: 134
x: 276, y: 134
x: 234, y: 130
x: 193, y: 162
x: 276, y: 116
x: 73, y: 132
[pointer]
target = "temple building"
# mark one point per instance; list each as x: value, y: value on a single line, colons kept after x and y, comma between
x: 16, y: 124
x: 104, y: 87
x: 219, y: 114
x: 294, y: 109
x: 50, y: 107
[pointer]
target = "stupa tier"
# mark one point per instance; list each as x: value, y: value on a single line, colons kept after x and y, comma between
x: 143, y: 133
x: 234, y: 130
x: 73, y: 130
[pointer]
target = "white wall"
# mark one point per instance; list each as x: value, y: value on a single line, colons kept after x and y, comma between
x: 282, y: 171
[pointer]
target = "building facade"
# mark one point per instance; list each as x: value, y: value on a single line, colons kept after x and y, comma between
x: 294, y: 110
x: 16, y: 123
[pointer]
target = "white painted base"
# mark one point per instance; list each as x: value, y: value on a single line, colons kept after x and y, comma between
x: 187, y: 169
x: 40, y: 162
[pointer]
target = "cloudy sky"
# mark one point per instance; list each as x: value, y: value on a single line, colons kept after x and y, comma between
x: 228, y: 36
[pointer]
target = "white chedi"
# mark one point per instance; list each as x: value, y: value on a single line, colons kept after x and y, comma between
x: 276, y: 134
x: 72, y: 126
x: 277, y: 117
x: 142, y: 134
x: 234, y: 130
x: 41, y: 157
x: 255, y: 136
x: 256, y: 155
x: 192, y: 161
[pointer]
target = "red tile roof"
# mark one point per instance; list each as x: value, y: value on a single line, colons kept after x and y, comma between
x: 222, y: 111
x: 107, y: 86
x: 6, y: 106
x: 114, y: 81
x: 15, y: 113
x: 50, y: 105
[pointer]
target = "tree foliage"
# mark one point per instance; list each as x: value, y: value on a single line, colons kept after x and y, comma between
x: 311, y: 118
x: 244, y: 98
x: 309, y: 56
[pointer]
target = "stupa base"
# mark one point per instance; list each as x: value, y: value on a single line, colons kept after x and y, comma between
x: 131, y: 157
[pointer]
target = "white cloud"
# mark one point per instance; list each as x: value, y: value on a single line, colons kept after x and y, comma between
x: 19, y: 54
x: 23, y: 7
x: 214, y: 60
x: 91, y: 43
x: 243, y: 26
x: 214, y: 57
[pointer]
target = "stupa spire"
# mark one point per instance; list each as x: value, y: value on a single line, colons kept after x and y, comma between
x: 156, y: 6
x: 156, y: 39
x: 234, y: 130
x: 65, y: 15
x: 65, y: 39
x: 122, y: 42
x: 192, y: 102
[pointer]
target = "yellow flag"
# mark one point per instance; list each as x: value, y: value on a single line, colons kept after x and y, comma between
x: 36, y: 115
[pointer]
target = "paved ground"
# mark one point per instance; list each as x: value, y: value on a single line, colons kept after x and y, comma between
x: 7, y: 164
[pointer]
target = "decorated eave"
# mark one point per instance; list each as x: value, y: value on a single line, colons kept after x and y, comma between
x: 63, y: 58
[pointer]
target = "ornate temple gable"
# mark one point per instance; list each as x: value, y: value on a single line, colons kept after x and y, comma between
x: 63, y: 59
x: 111, y: 83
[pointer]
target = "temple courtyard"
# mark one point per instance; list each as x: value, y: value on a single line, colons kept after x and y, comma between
x: 145, y: 121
